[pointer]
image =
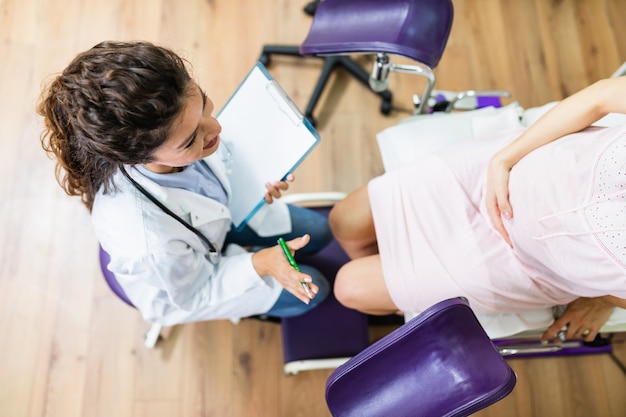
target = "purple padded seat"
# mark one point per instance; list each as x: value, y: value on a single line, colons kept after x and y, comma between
x: 441, y: 363
x: 110, y: 277
x: 417, y: 29
x: 330, y: 330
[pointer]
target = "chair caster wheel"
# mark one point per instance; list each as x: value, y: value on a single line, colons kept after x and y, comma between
x: 385, y: 107
x: 310, y: 8
x: 264, y: 59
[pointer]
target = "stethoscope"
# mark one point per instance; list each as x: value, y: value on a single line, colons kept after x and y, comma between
x: 213, y: 255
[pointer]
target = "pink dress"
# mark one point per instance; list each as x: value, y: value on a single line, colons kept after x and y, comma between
x: 568, y: 231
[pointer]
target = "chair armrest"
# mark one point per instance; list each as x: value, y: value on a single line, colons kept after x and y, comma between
x: 314, y: 199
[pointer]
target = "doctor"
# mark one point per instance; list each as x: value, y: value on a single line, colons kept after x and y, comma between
x: 135, y: 138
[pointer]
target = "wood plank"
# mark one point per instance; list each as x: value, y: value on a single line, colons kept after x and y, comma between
x: 207, y: 388
x: 256, y: 366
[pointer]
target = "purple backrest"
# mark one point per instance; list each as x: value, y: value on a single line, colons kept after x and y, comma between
x: 417, y: 29
x: 441, y: 363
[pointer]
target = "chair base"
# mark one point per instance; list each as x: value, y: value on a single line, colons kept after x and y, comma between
x: 331, y: 62
x: 152, y: 336
x: 532, y: 347
x: 311, y: 7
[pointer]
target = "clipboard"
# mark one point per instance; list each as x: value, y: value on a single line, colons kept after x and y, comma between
x: 265, y: 137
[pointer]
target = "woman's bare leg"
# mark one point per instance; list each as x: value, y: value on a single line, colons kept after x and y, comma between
x: 352, y: 224
x: 360, y: 285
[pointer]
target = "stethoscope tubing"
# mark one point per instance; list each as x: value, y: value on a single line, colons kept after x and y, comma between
x: 213, y: 253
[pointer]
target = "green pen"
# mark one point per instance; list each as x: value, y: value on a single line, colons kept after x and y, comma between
x: 294, y: 264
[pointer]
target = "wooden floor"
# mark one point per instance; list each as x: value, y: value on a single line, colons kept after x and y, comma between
x: 69, y: 348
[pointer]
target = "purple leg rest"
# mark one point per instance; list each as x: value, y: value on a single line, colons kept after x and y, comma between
x: 441, y: 363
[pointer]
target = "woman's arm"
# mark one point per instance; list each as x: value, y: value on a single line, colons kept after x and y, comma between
x: 571, y: 115
x: 614, y: 301
x: 584, y: 317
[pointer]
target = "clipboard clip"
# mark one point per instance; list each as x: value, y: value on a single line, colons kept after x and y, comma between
x: 284, y: 102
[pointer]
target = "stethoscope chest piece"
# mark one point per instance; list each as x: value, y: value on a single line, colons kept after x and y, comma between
x: 213, y: 256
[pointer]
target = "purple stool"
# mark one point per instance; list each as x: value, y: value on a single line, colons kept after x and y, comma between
x: 440, y: 363
x: 110, y: 279
x: 153, y: 334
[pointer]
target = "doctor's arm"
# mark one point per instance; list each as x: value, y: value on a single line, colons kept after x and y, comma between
x: 188, y: 286
x: 571, y: 115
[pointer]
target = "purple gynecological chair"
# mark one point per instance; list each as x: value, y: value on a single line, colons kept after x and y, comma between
x: 440, y: 363
x: 417, y: 29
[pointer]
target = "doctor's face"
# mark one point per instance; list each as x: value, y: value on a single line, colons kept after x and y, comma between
x: 194, y: 135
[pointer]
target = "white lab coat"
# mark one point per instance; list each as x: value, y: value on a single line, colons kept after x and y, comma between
x: 162, y: 266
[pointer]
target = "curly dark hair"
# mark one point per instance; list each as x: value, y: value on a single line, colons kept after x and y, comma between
x: 114, y: 104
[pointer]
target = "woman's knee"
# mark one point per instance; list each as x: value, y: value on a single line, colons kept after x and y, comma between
x: 352, y: 217
x: 360, y: 285
x: 335, y: 219
x: 345, y: 288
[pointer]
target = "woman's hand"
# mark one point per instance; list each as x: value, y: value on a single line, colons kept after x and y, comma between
x: 272, y: 261
x: 275, y: 189
x: 497, y: 195
x: 583, y: 318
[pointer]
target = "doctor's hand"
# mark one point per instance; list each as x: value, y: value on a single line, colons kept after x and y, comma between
x: 272, y: 261
x: 497, y: 195
x: 583, y: 318
x: 274, y: 189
